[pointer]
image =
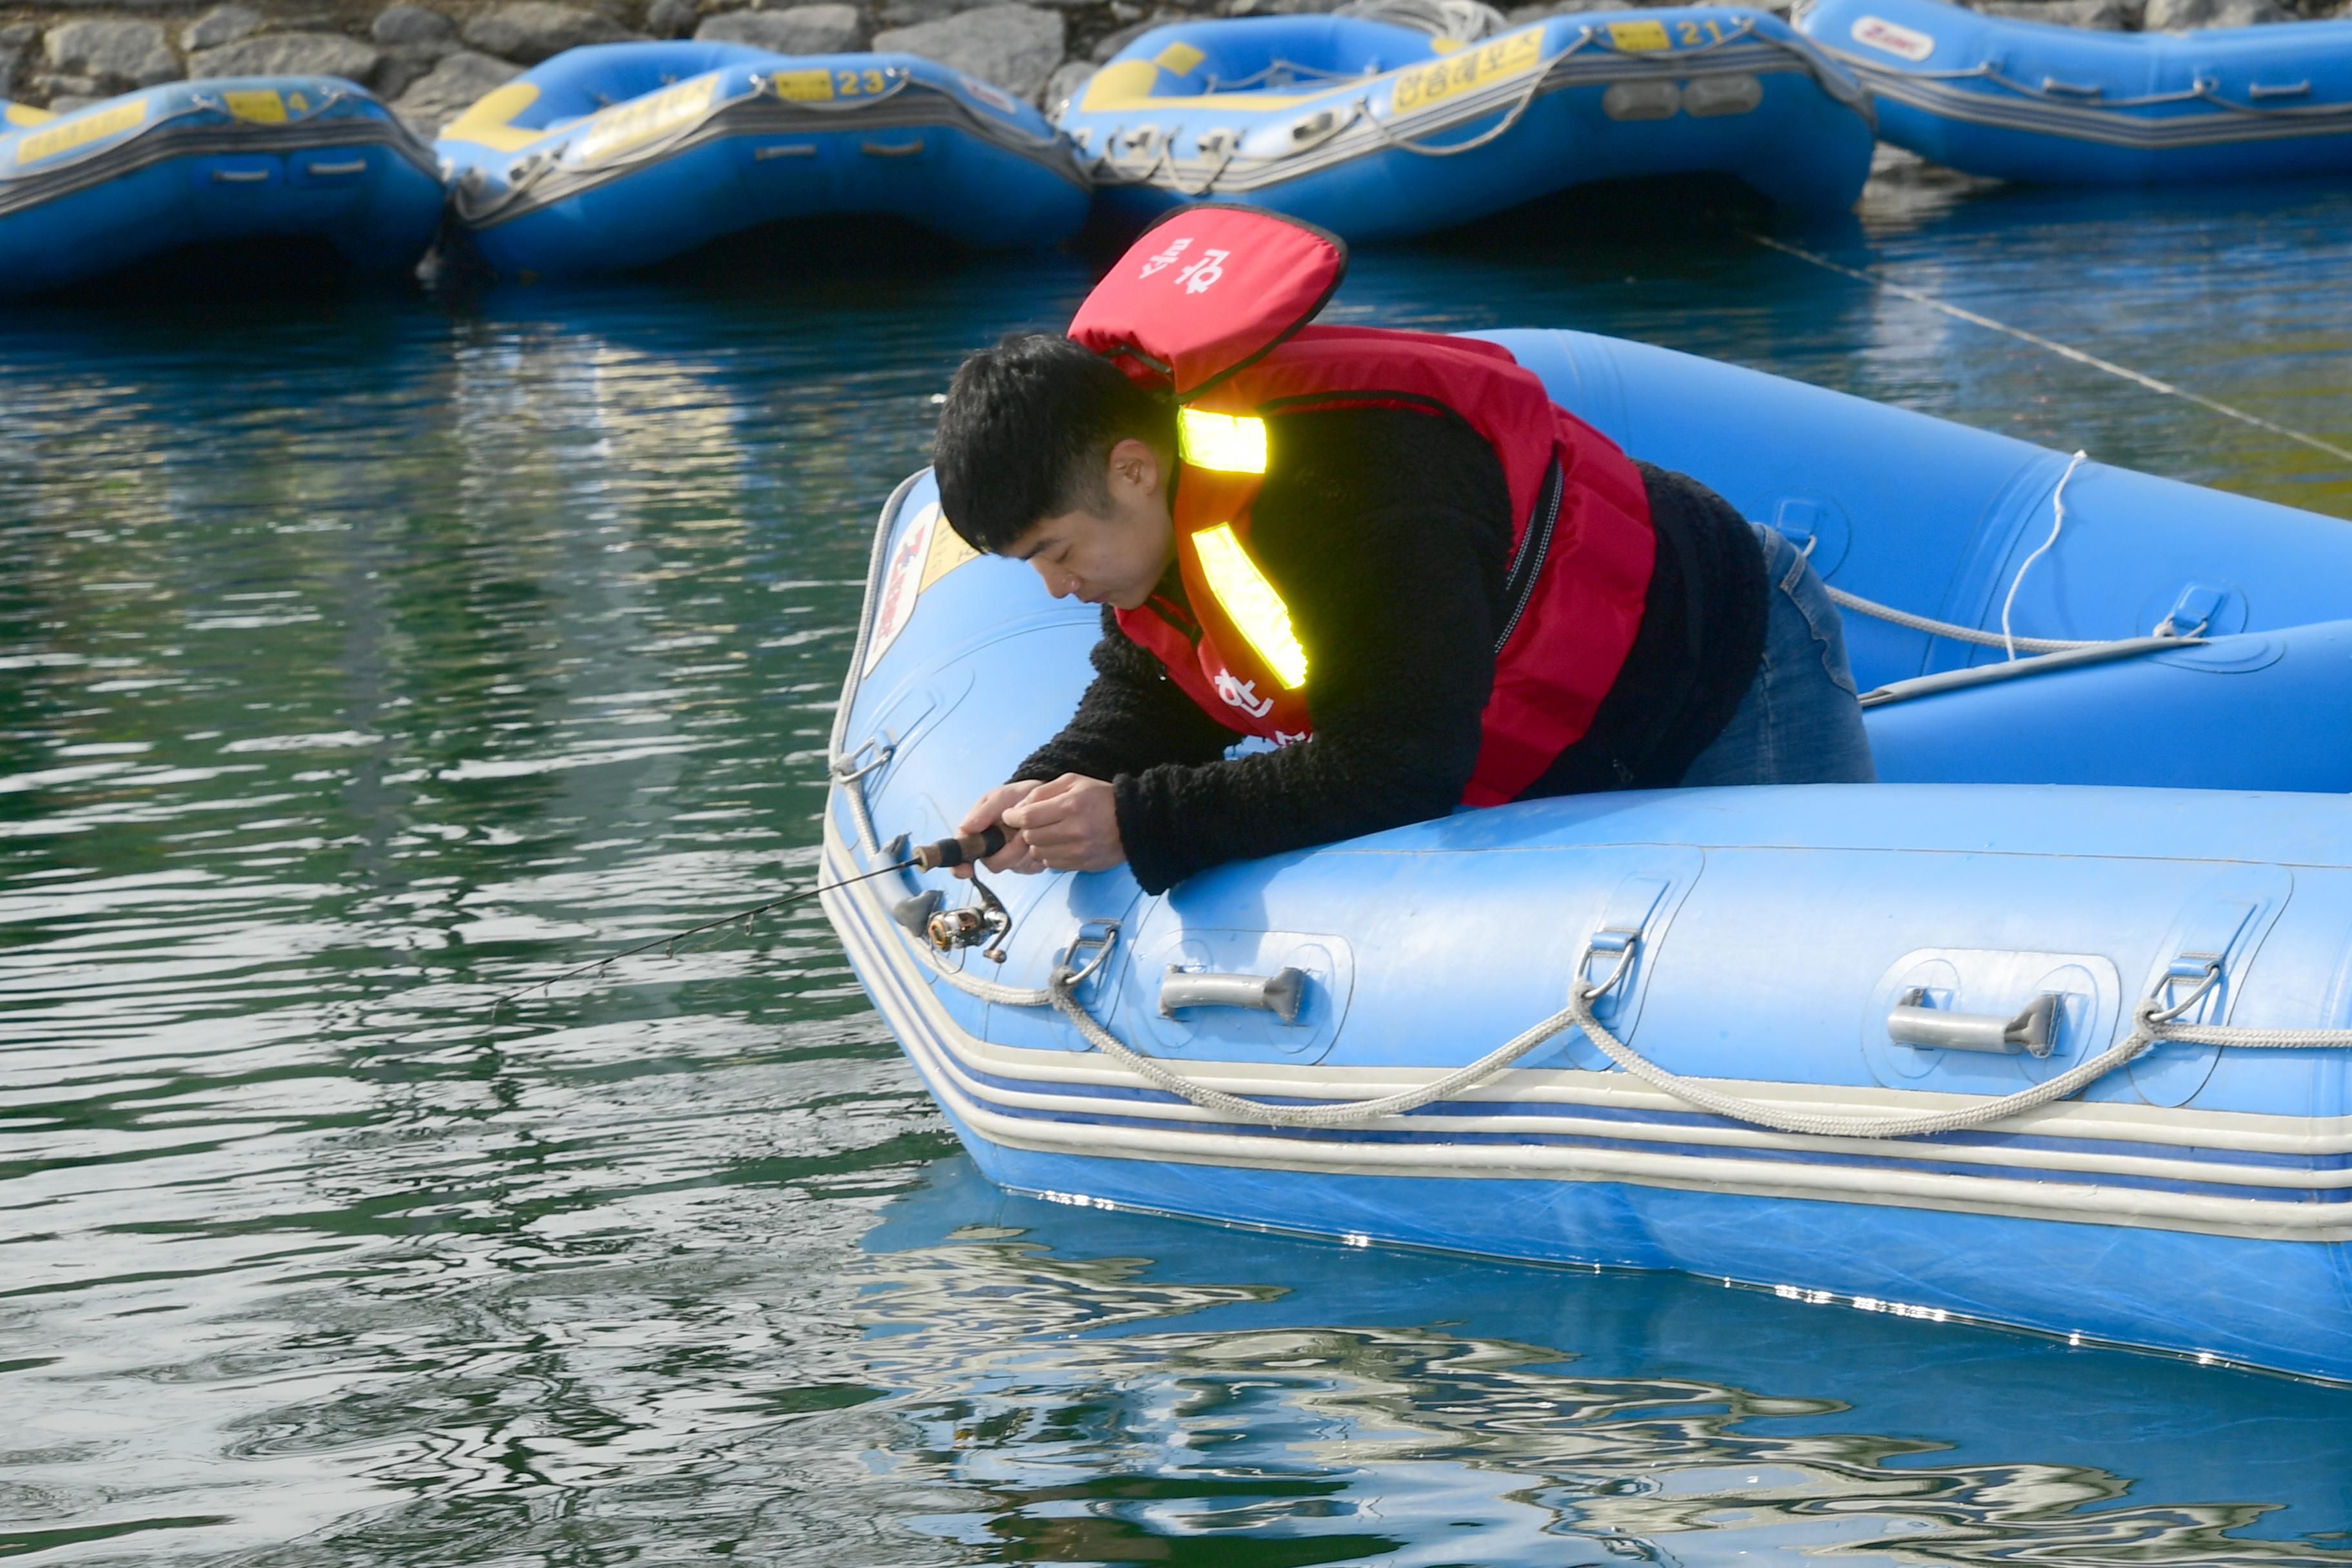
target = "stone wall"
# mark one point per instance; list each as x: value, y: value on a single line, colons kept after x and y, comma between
x: 430, y: 60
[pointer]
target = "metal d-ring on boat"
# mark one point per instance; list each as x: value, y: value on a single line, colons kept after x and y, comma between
x: 2068, y: 1059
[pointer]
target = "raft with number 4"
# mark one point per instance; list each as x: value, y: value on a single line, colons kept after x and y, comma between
x: 624, y: 156
x: 2052, y: 105
x: 1376, y: 131
x: 1956, y: 1044
x: 260, y: 159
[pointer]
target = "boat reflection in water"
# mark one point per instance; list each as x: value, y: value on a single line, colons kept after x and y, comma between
x: 1103, y: 1385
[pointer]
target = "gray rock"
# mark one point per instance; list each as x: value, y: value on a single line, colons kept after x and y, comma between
x: 288, y: 54
x: 2109, y: 16
x: 111, y: 55
x: 1111, y: 43
x: 116, y: 54
x: 398, y: 72
x: 534, y: 30
x: 2179, y: 16
x: 221, y: 25
x: 908, y: 13
x: 11, y: 58
x: 1064, y: 85
x: 16, y: 35
x: 450, y: 89
x: 405, y: 27
x: 672, y: 18
x: 801, y: 30
x: 1016, y: 47
x: 1517, y: 15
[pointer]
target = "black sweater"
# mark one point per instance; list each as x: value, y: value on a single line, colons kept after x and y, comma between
x: 1402, y: 619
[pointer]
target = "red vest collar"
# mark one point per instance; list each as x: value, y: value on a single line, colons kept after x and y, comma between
x: 1208, y: 290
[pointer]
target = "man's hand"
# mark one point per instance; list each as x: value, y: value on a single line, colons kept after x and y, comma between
x: 1069, y: 824
x: 986, y: 812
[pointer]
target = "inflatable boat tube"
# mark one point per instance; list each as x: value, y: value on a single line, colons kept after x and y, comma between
x: 1845, y: 957
x: 1376, y: 131
x: 622, y: 155
x: 2052, y: 105
x: 85, y: 194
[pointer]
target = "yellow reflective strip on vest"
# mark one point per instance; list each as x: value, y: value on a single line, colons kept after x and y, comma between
x: 1251, y: 603
x: 1229, y: 443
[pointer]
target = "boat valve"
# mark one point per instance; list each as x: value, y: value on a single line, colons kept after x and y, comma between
x: 985, y: 921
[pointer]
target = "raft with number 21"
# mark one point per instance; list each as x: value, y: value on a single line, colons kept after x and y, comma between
x: 1376, y: 130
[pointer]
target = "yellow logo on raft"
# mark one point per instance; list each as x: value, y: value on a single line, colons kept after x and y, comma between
x: 1509, y: 55
x: 641, y: 119
x: 81, y: 130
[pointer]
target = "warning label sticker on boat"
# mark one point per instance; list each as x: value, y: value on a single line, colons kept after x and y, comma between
x: 1881, y: 34
x: 639, y: 121
x: 925, y: 553
x: 1639, y: 37
x: 1513, y: 55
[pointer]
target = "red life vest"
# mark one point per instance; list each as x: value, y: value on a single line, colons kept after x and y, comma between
x: 1212, y: 306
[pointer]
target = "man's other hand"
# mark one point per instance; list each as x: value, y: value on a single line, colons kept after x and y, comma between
x: 1070, y: 824
x: 986, y: 812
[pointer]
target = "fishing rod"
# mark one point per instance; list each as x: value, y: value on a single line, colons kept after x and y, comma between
x: 965, y: 848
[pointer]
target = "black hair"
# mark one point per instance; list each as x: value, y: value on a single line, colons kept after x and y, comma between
x: 1027, y: 431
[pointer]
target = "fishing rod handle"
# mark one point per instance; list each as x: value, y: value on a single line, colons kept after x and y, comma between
x: 962, y: 849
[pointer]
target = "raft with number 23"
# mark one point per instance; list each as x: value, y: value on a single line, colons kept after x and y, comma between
x: 624, y: 156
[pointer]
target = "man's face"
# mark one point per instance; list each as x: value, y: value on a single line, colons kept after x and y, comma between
x: 1116, y: 559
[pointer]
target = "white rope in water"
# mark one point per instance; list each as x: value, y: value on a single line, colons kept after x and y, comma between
x: 2057, y: 521
x: 2094, y: 361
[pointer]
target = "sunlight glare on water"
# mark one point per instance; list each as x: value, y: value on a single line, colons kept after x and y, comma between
x: 362, y: 660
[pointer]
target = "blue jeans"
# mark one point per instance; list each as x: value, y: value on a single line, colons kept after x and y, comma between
x: 1799, y: 722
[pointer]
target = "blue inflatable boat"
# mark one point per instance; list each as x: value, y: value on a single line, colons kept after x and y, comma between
x: 2027, y: 100
x: 239, y: 159
x: 1957, y: 1044
x: 1376, y: 130
x: 622, y: 155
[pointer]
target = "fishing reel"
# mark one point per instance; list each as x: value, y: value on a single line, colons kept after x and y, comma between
x: 985, y: 921
x: 951, y: 930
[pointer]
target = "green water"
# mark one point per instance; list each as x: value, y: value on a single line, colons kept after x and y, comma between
x: 361, y: 660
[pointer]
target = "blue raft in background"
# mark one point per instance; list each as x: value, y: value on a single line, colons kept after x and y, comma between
x: 1932, y: 944
x: 235, y: 159
x: 2052, y: 105
x: 1376, y: 131
x: 624, y: 156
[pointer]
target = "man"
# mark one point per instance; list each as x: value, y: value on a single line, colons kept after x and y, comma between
x: 1388, y: 554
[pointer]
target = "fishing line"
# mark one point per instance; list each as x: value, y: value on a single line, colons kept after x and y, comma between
x: 671, y: 941
x: 2094, y: 361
